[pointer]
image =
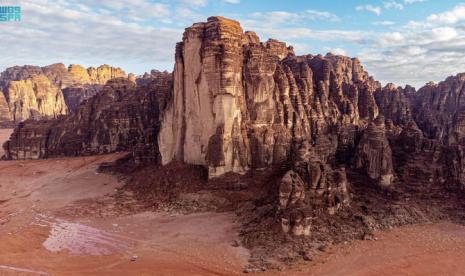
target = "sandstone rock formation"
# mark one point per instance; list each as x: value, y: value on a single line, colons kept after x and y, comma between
x: 234, y: 104
x: 91, y: 75
x: 120, y: 117
x: 75, y: 95
x: 239, y: 103
x: 394, y: 103
x: 34, y: 97
x: 5, y: 114
x: 35, y: 92
x: 374, y: 153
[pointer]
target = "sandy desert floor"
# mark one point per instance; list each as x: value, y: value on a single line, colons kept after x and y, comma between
x: 59, y: 217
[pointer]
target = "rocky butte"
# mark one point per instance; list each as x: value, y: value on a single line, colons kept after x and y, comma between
x: 343, y: 152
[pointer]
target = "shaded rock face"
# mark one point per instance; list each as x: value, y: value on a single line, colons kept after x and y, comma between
x: 438, y: 109
x: 75, y: 95
x: 374, y: 154
x: 35, y: 92
x: 310, y: 187
x: 151, y: 77
x: 239, y: 103
x: 394, y: 104
x: 120, y: 117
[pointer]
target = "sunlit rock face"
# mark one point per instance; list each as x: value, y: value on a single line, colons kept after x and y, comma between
x: 5, y: 114
x: 34, y: 97
x: 33, y: 92
x: 239, y: 103
x: 92, y: 75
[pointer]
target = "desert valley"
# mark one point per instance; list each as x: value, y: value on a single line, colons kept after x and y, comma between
x: 247, y: 158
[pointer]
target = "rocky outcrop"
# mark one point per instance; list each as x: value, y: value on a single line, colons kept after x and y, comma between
x: 310, y: 187
x: 374, y: 154
x: 120, y: 117
x: 34, y: 97
x: 5, y: 114
x: 91, y: 75
x: 437, y: 108
x: 239, y: 103
x: 394, y: 104
x: 35, y: 92
x: 75, y: 95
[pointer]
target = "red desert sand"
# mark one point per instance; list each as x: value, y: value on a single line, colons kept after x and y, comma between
x: 56, y: 219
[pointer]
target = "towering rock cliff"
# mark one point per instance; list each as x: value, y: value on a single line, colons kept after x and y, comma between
x: 239, y: 103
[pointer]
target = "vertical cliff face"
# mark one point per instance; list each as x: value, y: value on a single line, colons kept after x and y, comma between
x: 76, y: 94
x: 34, y: 97
x: 5, y: 114
x: 239, y: 103
x: 204, y: 119
x: 35, y: 92
x: 120, y: 117
x: 394, y: 103
x: 437, y: 107
x: 374, y: 154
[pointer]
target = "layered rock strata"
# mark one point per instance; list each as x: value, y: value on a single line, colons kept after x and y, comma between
x: 34, y: 97
x: 235, y: 104
x: 75, y: 95
x: 120, y: 117
x: 239, y: 103
x: 36, y: 92
x: 374, y: 154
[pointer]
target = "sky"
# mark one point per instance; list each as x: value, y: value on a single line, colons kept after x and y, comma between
x: 399, y: 41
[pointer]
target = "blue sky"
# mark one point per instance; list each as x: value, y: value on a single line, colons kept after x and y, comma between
x: 400, y: 41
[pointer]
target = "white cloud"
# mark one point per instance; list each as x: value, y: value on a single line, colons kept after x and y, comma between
x: 443, y: 34
x: 293, y: 33
x: 390, y: 39
x: 336, y: 51
x: 384, y: 23
x: 408, y: 2
x: 284, y: 18
x: 321, y: 15
x: 393, y: 5
x: 453, y: 16
x: 58, y: 31
x: 195, y: 3
x: 374, y: 9
x: 232, y: 1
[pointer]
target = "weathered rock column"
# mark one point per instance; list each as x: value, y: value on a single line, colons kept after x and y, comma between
x: 203, y: 122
